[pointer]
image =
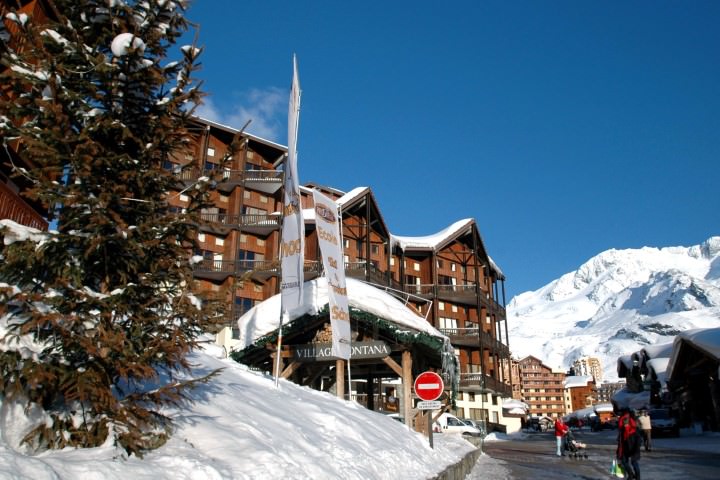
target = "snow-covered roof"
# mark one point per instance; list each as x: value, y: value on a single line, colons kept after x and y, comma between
x: 657, y: 368
x: 603, y: 407
x: 706, y: 340
x: 431, y: 242
x: 623, y: 398
x: 230, y: 129
x: 574, y: 381
x: 265, y: 317
x: 657, y: 351
x: 581, y: 413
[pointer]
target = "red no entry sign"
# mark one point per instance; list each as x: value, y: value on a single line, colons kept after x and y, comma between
x: 429, y: 386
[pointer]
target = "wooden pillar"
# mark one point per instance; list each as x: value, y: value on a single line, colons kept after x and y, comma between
x: 407, y: 385
x: 340, y: 378
x: 370, y: 384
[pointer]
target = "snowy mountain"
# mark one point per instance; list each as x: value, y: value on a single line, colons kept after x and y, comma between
x: 617, y: 303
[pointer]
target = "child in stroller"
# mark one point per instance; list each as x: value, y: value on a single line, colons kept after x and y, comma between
x: 576, y: 448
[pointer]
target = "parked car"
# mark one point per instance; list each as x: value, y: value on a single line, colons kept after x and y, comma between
x: 663, y: 423
x: 451, y: 424
x: 475, y: 423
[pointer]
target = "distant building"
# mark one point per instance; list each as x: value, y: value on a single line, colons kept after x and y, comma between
x: 579, y: 392
x: 541, y: 388
x: 588, y: 366
x: 605, y: 391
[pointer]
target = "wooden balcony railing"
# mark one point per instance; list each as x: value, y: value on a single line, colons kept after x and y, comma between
x: 236, y: 176
x: 16, y: 209
x: 484, y: 383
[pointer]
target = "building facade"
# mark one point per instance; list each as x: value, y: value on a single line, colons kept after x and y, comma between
x: 580, y: 392
x: 542, y: 388
x: 448, y: 277
x: 588, y: 366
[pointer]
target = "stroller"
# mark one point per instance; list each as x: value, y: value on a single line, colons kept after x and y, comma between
x: 574, y: 447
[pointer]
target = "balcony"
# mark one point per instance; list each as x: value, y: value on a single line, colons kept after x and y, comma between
x: 258, y: 270
x: 468, y: 337
x: 257, y: 224
x: 482, y: 383
x: 13, y: 207
x: 266, y: 181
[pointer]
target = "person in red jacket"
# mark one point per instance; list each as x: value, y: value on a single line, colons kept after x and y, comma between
x: 628, y: 444
x: 561, y: 430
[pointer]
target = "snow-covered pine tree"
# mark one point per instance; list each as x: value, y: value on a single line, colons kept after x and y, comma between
x: 107, y: 300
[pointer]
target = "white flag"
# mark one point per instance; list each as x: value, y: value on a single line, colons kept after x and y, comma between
x: 327, y: 222
x: 292, y: 248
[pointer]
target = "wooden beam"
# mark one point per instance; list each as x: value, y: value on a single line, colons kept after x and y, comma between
x: 407, y: 384
x: 290, y: 369
x: 393, y: 365
x: 340, y: 378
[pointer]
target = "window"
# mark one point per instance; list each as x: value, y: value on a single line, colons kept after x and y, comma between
x: 375, y: 249
x: 452, y: 267
x: 346, y: 243
x: 201, y: 237
x: 253, y: 211
x: 211, y: 152
x: 416, y: 266
x: 441, y: 305
x: 447, y: 322
x: 184, y: 198
x: 439, y: 264
x: 224, y: 198
x: 242, y: 305
x: 219, y: 242
x: 245, y: 258
x: 260, y: 242
x: 392, y: 261
x: 246, y: 195
x: 263, y: 199
x: 210, y: 167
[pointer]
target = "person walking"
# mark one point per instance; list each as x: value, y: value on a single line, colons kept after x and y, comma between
x: 628, y: 445
x: 645, y: 424
x: 561, y: 430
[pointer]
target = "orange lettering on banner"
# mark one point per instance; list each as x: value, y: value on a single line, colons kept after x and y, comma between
x: 290, y: 248
x: 338, y: 314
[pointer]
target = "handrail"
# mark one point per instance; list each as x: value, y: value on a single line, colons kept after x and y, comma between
x: 18, y: 210
x: 273, y: 176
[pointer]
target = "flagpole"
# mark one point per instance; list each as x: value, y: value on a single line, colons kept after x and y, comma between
x: 279, y: 347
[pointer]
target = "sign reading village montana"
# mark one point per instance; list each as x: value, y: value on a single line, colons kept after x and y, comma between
x: 317, y: 352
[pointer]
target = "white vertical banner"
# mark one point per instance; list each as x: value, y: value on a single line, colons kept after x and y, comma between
x: 327, y: 222
x: 292, y: 247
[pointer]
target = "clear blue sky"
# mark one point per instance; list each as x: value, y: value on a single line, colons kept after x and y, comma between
x: 565, y: 128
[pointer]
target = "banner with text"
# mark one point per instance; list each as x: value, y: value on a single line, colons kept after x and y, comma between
x: 327, y: 223
x: 292, y: 248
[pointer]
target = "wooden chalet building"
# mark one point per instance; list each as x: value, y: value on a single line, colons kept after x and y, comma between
x: 447, y: 278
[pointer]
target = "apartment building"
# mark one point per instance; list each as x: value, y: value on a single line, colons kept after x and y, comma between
x: 588, y: 366
x: 580, y: 392
x: 447, y: 277
x: 542, y: 388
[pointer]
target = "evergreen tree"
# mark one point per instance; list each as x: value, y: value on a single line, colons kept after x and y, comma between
x: 107, y: 299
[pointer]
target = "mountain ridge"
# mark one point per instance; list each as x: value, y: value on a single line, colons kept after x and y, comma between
x: 616, y: 303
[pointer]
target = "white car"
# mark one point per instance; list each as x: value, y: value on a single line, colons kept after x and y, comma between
x: 451, y: 424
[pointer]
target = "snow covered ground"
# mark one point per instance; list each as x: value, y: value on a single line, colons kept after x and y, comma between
x: 242, y: 427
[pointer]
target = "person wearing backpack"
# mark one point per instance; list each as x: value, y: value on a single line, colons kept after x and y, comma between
x: 629, y: 444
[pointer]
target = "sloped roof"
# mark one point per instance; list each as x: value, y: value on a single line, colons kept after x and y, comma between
x: 265, y: 317
x: 706, y: 340
x: 578, y: 381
